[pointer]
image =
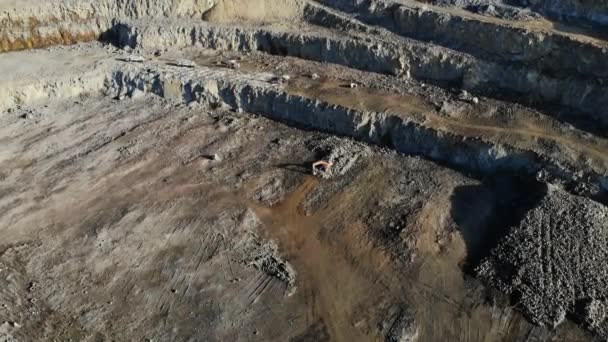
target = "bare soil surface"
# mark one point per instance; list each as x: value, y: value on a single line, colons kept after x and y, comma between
x: 450, y: 112
x: 158, y: 184
x: 132, y: 231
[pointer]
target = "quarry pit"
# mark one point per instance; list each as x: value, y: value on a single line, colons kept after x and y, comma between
x: 156, y: 164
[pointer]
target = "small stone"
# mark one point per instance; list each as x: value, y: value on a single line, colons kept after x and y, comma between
x: 354, y: 85
x: 233, y: 64
x: 135, y: 59
x: 185, y: 63
x: 31, y: 286
x: 466, y: 96
x: 285, y: 78
x: 216, y: 157
x: 314, y: 76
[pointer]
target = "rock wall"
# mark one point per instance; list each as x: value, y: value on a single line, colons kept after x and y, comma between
x: 549, y: 52
x: 595, y: 12
x: 42, y: 75
x: 257, y: 94
x: 406, y: 58
x: 40, y: 24
x: 500, y: 61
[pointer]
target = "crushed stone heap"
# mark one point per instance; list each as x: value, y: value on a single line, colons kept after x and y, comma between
x: 554, y: 262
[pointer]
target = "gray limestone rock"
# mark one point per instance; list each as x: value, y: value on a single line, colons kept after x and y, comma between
x: 554, y: 262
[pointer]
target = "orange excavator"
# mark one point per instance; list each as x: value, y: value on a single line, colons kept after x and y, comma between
x: 321, y: 165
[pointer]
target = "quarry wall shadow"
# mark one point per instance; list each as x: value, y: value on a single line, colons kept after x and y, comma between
x: 485, y: 213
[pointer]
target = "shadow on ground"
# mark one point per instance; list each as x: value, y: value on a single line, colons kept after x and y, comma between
x: 484, y: 213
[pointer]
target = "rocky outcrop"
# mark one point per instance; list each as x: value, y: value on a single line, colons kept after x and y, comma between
x: 552, y: 262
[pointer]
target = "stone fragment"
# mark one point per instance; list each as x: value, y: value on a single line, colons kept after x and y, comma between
x: 135, y: 59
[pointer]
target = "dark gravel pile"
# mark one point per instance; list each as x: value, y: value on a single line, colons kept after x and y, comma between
x: 554, y: 262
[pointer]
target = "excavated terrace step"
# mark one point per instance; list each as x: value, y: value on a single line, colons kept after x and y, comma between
x: 27, y: 24
x: 367, y: 47
x: 539, y: 47
x: 259, y: 93
x: 34, y: 77
x: 535, y: 44
x: 593, y: 12
x: 406, y: 58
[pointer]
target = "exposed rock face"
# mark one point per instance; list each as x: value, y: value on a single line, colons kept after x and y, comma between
x: 577, y: 10
x: 74, y: 9
x: 493, y: 8
x: 406, y: 57
x: 572, y: 11
x: 554, y: 262
x: 257, y: 93
x: 31, y: 24
x: 501, y: 41
x: 405, y: 135
x: 483, y: 56
x: 189, y: 74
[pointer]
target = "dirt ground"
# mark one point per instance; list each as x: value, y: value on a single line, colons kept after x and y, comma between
x: 118, y: 225
x: 157, y: 184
